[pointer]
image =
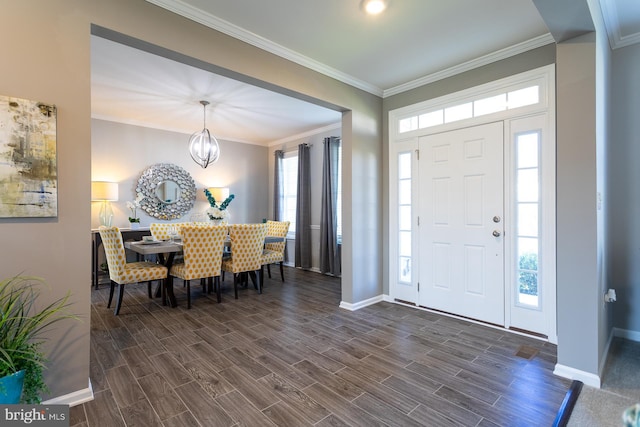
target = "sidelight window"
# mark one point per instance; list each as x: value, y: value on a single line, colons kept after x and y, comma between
x: 404, y: 217
x: 528, y: 218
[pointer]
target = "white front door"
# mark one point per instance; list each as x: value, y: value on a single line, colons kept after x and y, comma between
x: 461, y: 209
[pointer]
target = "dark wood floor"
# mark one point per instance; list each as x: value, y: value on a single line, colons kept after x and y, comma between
x: 292, y: 357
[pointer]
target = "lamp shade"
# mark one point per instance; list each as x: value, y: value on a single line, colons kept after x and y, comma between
x: 104, y: 191
x: 219, y: 193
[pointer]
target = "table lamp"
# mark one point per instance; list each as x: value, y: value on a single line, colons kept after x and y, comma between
x: 105, y: 192
x: 219, y: 193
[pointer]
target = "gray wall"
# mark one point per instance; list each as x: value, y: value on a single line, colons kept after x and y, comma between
x: 56, y: 69
x: 241, y: 167
x: 576, y: 205
x: 624, y: 188
x: 316, y: 159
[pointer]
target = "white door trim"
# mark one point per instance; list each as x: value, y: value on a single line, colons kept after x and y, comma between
x: 545, y: 77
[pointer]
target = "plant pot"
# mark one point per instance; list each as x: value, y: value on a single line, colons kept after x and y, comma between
x: 11, y: 388
x: 134, y: 225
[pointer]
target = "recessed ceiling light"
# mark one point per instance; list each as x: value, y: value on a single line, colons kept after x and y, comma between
x: 374, y: 7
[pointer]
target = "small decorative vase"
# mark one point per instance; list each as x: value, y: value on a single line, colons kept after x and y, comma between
x: 11, y: 388
x: 135, y: 225
x: 216, y: 221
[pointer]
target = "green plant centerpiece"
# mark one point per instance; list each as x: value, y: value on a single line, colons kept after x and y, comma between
x: 218, y: 212
x: 21, y: 326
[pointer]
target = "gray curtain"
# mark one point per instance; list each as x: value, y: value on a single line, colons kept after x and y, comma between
x: 303, y: 208
x: 278, y: 185
x: 329, y: 248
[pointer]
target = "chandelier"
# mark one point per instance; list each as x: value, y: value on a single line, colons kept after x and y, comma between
x: 203, y: 146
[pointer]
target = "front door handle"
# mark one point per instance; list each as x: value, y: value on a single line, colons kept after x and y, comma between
x: 496, y: 233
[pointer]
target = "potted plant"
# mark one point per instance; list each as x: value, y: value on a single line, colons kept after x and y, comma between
x: 21, y: 326
x: 218, y: 213
x: 134, y: 220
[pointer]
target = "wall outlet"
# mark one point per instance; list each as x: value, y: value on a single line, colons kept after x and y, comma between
x: 610, y: 295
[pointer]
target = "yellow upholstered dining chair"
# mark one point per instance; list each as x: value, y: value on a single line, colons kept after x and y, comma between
x: 123, y: 272
x: 202, y: 247
x: 274, y: 252
x: 160, y: 231
x: 247, y: 241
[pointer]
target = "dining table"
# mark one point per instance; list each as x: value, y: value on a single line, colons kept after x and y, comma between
x: 166, y: 251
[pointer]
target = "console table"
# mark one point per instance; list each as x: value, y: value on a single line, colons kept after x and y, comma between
x: 96, y: 242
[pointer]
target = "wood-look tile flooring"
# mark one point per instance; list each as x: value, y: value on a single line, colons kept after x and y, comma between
x: 292, y: 357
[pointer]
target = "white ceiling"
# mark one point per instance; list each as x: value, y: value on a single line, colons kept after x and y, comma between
x: 412, y: 43
x: 135, y: 87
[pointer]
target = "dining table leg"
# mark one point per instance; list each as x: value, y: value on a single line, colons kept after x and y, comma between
x: 167, y: 288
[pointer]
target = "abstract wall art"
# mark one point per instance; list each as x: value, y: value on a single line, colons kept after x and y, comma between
x: 28, y: 165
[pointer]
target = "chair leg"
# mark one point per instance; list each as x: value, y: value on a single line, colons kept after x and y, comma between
x: 282, y: 270
x: 262, y: 273
x: 203, y: 283
x: 269, y: 270
x: 218, y: 287
x: 120, y: 293
x: 235, y: 284
x: 113, y: 285
x: 188, y: 285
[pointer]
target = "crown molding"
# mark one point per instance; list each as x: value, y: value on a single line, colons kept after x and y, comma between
x: 508, y: 52
x: 211, y: 21
x: 610, y: 16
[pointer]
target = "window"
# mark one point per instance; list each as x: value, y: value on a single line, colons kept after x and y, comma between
x: 528, y: 218
x: 290, y: 179
x: 404, y: 217
x: 473, y: 108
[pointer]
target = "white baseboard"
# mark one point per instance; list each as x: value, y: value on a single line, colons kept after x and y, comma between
x: 627, y: 334
x: 74, y: 398
x: 587, y: 378
x: 361, y: 304
x: 387, y: 298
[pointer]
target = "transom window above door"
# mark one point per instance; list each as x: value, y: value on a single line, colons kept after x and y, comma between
x: 510, y: 100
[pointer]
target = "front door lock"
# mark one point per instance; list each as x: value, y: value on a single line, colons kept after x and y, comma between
x: 496, y: 219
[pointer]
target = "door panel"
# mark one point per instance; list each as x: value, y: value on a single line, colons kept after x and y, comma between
x: 461, y: 191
